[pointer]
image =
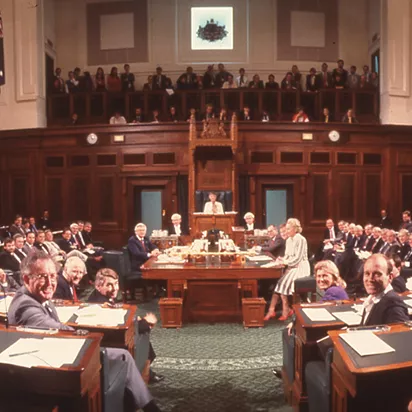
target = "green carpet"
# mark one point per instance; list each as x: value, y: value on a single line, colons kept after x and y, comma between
x: 220, y: 367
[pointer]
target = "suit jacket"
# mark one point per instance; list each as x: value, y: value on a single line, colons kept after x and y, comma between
x: 404, y: 250
x: 369, y: 241
x: 258, y: 85
x: 272, y: 85
x: 208, y: 80
x: 87, y: 236
x: 276, y: 247
x: 330, y: 118
x: 326, y: 233
x: 221, y: 77
x: 42, y: 247
x: 399, y: 284
x: 155, y: 84
x: 191, y: 80
x: 65, y: 245
x: 407, y: 226
x: 377, y: 245
x: 138, y: 253
x: 345, y: 119
x: 321, y: 82
x: 243, y: 117
x: 359, y: 241
x: 390, y: 309
x: 44, y: 223
x: 13, y: 229
x: 63, y: 290
x: 26, y: 310
x: 8, y: 262
x: 27, y: 249
x: 20, y: 253
x: 309, y: 86
x: 385, y: 223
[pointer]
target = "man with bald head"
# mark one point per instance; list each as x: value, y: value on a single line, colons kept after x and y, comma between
x: 383, y: 305
x: 68, y: 281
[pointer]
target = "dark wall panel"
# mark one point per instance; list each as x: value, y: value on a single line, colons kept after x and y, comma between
x: 19, y: 195
x: 54, y: 198
x: 79, y: 191
x: 320, y: 196
x: 106, y: 198
x: 346, y: 197
x: 372, y: 201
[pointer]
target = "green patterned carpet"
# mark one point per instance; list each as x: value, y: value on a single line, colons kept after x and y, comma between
x: 220, y: 367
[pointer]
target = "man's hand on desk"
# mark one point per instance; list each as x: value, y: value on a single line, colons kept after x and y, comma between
x: 155, y: 253
x: 151, y: 319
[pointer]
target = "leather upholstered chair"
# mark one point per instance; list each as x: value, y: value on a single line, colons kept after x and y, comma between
x: 223, y: 196
x: 113, y: 383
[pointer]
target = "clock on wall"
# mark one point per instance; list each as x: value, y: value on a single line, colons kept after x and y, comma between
x: 92, y: 138
x: 334, y: 136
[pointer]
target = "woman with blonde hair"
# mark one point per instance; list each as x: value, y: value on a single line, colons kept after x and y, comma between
x: 329, y: 281
x: 296, y: 265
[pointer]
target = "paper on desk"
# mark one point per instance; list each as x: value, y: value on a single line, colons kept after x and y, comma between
x: 318, y: 314
x: 349, y: 318
x: 259, y: 258
x: 366, y: 343
x: 409, y: 284
x: 358, y: 308
x: 5, y: 304
x: 96, y: 315
x: 408, y: 302
x: 50, y: 352
x: 66, y: 312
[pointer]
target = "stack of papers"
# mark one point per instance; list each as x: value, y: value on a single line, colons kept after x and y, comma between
x: 318, y: 315
x: 30, y: 352
x: 366, y: 343
x: 95, y: 315
x: 66, y: 312
x: 259, y: 258
x: 408, y: 302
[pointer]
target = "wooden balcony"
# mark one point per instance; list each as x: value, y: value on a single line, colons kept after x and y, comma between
x: 95, y: 108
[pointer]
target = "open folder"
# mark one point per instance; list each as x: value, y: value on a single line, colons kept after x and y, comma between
x: 366, y: 343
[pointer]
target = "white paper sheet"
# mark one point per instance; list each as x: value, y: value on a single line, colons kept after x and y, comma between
x: 5, y: 304
x: 259, y: 258
x: 318, y: 315
x: 349, y: 318
x: 366, y: 343
x: 408, y: 302
x: 50, y: 352
x: 66, y: 312
x: 96, y: 315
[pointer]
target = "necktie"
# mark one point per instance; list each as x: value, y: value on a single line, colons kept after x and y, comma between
x: 74, y: 294
x: 144, y: 246
x: 44, y: 249
x: 331, y: 234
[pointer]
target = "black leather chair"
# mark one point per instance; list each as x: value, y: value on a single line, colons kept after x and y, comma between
x: 141, y: 344
x: 119, y: 261
x: 318, y: 383
x: 223, y: 196
x: 288, y: 345
x: 113, y: 383
x: 303, y: 286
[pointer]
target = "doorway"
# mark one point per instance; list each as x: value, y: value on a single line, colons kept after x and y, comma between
x: 277, y: 204
x: 375, y: 61
x: 148, y: 208
x: 49, y: 73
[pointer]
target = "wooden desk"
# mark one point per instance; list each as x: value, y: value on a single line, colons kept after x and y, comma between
x: 121, y: 336
x: 202, y: 222
x: 306, y: 350
x: 212, y: 290
x: 373, y: 383
x: 70, y: 388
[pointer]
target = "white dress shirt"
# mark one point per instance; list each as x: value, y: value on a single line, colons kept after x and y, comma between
x: 373, y: 300
x: 213, y: 209
x: 178, y: 230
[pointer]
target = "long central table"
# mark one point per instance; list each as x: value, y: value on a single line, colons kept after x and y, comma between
x: 212, y: 290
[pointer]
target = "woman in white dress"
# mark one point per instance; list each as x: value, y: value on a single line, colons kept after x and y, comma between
x: 296, y: 265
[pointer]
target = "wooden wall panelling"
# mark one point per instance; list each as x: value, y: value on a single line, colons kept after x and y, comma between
x: 54, y: 199
x: 79, y: 197
x: 318, y: 197
x: 347, y: 195
x: 371, y: 197
x: 19, y: 186
x: 405, y: 191
x: 106, y: 198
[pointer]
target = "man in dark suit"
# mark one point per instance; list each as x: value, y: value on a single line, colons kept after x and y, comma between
x: 44, y: 221
x: 65, y: 242
x: 277, y: 243
x: 325, y: 77
x: 29, y: 245
x: 312, y: 82
x: 159, y: 80
x: 127, y: 79
x: 397, y: 281
x: 245, y: 114
x: 32, y: 306
x: 367, y: 244
x: 106, y: 291
x: 19, y: 243
x: 69, y: 280
x: 377, y: 240
x: 386, y: 222
x: 190, y: 79
x: 383, y: 305
x: 87, y: 233
x: 140, y: 248
x: 33, y: 228
x: 209, y: 81
x: 406, y: 221
x: 17, y: 227
x: 8, y: 259
x: 221, y: 76
x: 176, y: 228
x: 39, y: 244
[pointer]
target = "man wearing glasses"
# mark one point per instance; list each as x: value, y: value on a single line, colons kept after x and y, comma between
x: 32, y: 306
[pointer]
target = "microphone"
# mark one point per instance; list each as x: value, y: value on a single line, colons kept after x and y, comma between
x: 4, y: 227
x: 5, y: 304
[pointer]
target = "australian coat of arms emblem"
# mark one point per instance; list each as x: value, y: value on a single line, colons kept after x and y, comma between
x: 212, y: 32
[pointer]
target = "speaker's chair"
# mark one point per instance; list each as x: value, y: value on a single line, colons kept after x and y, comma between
x: 223, y: 196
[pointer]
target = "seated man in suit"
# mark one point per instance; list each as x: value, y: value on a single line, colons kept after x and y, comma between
x: 32, y: 306
x: 383, y: 305
x: 8, y: 259
x: 17, y: 227
x: 106, y: 291
x: 176, y: 227
x: 19, y: 243
x: 140, y: 248
x: 40, y: 239
x: 29, y: 245
x: 66, y: 243
x: 213, y: 207
x: 250, y: 221
x: 406, y: 221
x: 69, y: 279
x: 397, y: 281
x: 386, y: 222
x: 277, y: 242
